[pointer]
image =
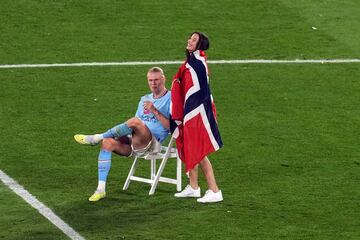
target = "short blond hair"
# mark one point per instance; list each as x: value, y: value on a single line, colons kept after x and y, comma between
x: 155, y: 70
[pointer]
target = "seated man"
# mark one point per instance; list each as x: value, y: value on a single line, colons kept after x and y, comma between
x: 138, y: 136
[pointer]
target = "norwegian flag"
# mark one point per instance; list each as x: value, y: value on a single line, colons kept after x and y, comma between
x: 193, y: 114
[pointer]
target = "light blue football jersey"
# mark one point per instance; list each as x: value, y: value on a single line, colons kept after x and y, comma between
x: 163, y: 105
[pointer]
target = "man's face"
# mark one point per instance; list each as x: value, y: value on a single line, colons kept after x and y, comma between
x: 192, y: 42
x: 156, y: 82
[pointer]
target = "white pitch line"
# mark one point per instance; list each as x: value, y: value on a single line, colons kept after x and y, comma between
x: 138, y: 63
x: 43, y: 209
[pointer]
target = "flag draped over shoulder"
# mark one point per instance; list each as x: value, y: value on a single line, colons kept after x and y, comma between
x: 193, y: 114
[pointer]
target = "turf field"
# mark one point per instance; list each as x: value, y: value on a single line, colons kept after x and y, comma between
x: 290, y: 167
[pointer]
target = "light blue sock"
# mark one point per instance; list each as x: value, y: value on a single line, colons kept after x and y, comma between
x: 104, y: 164
x: 118, y: 131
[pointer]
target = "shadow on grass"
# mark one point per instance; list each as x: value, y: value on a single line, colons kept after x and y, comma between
x: 125, y: 211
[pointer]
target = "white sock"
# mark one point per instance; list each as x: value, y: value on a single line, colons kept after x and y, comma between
x: 98, y: 137
x: 101, y: 187
x: 94, y: 139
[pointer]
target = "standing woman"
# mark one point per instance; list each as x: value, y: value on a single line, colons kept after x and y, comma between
x: 193, y: 117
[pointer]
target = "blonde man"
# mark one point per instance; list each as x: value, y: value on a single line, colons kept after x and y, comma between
x: 139, y: 135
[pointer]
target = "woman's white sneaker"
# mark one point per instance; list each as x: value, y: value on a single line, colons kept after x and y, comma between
x: 211, y: 197
x: 188, y: 192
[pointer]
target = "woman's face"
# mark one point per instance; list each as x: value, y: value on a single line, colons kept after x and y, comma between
x: 192, y: 42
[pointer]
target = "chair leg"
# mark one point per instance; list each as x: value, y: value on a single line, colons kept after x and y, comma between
x: 178, y: 174
x: 153, y: 169
x: 158, y: 175
x: 131, y: 173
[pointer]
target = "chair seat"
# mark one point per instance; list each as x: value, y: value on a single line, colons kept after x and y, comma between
x: 161, y: 155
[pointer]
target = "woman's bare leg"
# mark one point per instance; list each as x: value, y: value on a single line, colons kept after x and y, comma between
x: 208, y: 171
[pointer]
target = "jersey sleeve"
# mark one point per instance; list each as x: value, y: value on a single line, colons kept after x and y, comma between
x: 166, y: 111
x: 139, y: 109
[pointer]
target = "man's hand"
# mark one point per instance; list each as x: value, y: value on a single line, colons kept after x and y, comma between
x: 149, y: 106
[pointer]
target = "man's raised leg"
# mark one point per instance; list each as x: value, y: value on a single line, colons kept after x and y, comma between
x: 118, y: 131
x: 141, y: 135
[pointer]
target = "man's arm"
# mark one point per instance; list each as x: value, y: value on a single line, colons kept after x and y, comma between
x: 164, y: 121
x: 159, y: 116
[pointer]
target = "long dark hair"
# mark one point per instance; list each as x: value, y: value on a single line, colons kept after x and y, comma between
x: 203, y: 43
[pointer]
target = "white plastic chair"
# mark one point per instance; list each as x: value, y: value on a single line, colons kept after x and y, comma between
x: 155, y: 174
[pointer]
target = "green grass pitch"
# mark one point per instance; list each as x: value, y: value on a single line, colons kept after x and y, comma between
x: 290, y: 167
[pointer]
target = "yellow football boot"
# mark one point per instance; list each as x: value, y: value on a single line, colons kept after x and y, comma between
x: 97, y: 196
x: 88, y: 139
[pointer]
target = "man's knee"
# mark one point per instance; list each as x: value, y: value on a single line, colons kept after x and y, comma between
x: 108, y: 144
x: 134, y: 123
